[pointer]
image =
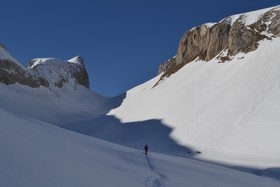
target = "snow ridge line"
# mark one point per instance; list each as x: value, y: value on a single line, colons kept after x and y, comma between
x: 155, y: 180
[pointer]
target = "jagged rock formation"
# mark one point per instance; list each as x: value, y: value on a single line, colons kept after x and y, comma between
x: 11, y: 73
x: 42, y: 72
x: 81, y: 74
x: 59, y: 72
x: 232, y: 35
x: 166, y: 65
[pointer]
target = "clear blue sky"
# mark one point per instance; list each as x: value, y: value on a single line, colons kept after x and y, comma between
x: 123, y: 42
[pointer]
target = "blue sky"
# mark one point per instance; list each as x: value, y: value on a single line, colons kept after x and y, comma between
x: 123, y: 42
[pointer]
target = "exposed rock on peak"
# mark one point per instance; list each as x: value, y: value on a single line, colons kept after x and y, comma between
x: 203, y: 42
x: 166, y: 65
x: 234, y: 34
x: 58, y: 72
x: 47, y: 72
x: 11, y: 71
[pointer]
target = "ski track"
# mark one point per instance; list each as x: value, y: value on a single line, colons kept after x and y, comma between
x: 155, y: 180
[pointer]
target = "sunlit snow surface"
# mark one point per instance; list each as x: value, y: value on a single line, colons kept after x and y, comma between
x: 225, y: 110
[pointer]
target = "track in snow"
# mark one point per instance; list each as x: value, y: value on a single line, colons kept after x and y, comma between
x: 155, y: 180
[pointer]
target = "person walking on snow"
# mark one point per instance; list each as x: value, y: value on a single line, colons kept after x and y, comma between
x: 146, y: 149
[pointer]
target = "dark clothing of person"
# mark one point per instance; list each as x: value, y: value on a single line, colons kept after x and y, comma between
x: 146, y: 149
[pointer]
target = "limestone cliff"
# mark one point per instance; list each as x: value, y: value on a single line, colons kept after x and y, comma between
x: 223, y: 40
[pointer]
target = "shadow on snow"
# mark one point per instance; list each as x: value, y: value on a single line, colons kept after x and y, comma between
x: 133, y: 134
x: 152, y: 132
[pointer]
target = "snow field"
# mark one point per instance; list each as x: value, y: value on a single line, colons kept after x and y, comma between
x: 35, y: 153
x: 228, y: 107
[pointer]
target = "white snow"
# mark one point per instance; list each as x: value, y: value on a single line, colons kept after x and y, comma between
x: 231, y: 19
x: 252, y: 17
x: 75, y: 60
x: 248, y: 18
x: 35, y: 153
x: 56, y: 106
x: 209, y: 25
x: 52, y: 61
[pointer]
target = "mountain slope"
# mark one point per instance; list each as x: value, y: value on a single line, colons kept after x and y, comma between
x: 228, y: 111
x: 56, y: 106
x: 231, y: 106
x: 235, y: 34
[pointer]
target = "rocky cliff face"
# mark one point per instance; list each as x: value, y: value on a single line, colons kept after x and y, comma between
x: 167, y: 65
x: 223, y: 40
x: 11, y: 73
x: 46, y: 72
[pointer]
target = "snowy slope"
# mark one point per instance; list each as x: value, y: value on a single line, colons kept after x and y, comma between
x: 250, y: 17
x: 217, y: 108
x: 56, y: 106
x: 35, y: 153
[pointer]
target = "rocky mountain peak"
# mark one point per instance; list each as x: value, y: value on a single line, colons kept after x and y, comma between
x: 224, y: 39
x: 59, y: 72
x: 47, y: 72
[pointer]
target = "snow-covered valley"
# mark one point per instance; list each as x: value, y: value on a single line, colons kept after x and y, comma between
x: 35, y: 153
x: 209, y: 124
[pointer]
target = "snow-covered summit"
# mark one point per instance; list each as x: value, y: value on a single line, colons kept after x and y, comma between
x: 58, y: 72
x: 47, y: 72
x: 77, y: 60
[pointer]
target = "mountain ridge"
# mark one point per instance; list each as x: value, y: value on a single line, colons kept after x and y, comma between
x: 46, y: 72
x: 235, y: 34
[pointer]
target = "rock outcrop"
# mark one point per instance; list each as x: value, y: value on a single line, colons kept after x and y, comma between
x: 243, y: 38
x: 232, y: 35
x: 167, y: 65
x: 11, y: 73
x: 81, y: 75
x: 203, y: 42
x: 46, y: 72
